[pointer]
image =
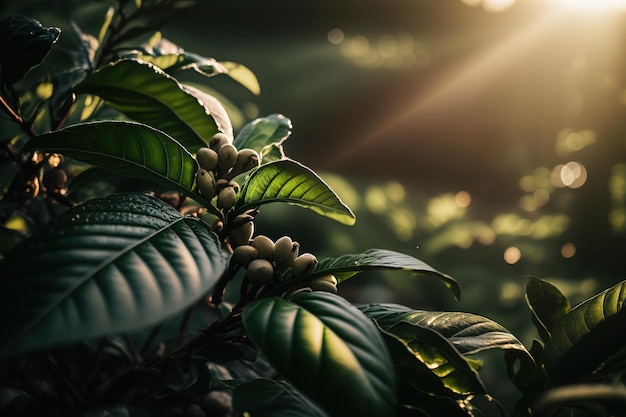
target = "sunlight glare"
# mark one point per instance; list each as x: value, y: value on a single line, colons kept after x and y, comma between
x: 591, y: 5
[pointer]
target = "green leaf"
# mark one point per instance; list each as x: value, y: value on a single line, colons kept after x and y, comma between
x: 146, y: 94
x: 468, y: 333
x: 588, y: 335
x: 546, y: 304
x: 265, y: 135
x: 243, y: 76
x: 128, y: 149
x: 107, y: 266
x: 215, y: 107
x: 346, y: 266
x: 428, y: 346
x: 272, y: 398
x: 24, y: 44
x: 327, y: 349
x: 291, y: 182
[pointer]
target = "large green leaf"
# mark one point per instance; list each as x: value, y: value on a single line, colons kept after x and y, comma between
x: 327, y: 349
x: 264, y: 135
x: 128, y: 149
x: 291, y: 182
x: 146, y: 94
x: 346, y: 266
x: 107, y: 266
x: 428, y: 346
x: 469, y: 333
x: 272, y: 398
x: 546, y: 304
x: 588, y: 335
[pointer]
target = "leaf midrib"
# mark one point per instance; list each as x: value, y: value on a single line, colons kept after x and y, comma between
x: 85, y: 278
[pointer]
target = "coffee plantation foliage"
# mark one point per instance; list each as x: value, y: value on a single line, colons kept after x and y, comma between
x: 133, y: 280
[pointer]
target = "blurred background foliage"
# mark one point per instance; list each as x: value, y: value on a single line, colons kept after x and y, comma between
x: 485, y: 137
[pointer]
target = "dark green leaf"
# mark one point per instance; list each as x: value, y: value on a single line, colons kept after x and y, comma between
x: 469, y: 333
x: 107, y: 266
x: 146, y: 94
x: 291, y: 182
x: 327, y: 349
x: 439, y: 355
x: 24, y: 44
x: 586, y: 336
x: 265, y: 135
x: 346, y: 266
x: 413, y: 375
x: 128, y: 149
x: 546, y: 304
x: 272, y: 398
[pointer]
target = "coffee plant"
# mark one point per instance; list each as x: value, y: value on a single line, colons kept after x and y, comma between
x: 133, y: 281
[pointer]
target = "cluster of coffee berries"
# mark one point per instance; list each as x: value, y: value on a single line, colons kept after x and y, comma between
x: 220, y: 162
x: 266, y: 261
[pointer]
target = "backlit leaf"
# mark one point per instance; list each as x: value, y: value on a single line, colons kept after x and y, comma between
x: 327, y: 349
x: 146, y: 94
x: 469, y: 333
x: 428, y: 346
x: 128, y: 149
x: 591, y: 333
x: 291, y: 182
x: 265, y: 135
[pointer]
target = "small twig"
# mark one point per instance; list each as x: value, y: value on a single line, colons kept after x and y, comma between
x: 149, y: 340
x: 67, y: 385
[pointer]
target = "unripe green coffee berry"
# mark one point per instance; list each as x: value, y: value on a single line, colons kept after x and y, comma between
x: 219, y: 139
x: 226, y: 157
x: 285, y: 252
x: 260, y: 272
x: 241, y: 235
x: 246, y: 160
x: 264, y: 245
x: 206, y: 183
x: 207, y: 158
x: 304, y: 264
x: 244, y: 254
x: 226, y: 198
x: 324, y: 283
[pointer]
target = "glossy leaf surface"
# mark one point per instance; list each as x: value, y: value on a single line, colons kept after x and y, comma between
x: 126, y: 148
x: 146, y: 94
x: 273, y: 398
x: 469, y: 333
x: 107, y: 266
x: 588, y: 335
x: 327, y: 349
x: 291, y: 182
x: 546, y: 304
x: 428, y: 346
x: 346, y: 266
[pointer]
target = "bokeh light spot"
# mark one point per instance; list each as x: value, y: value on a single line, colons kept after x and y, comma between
x: 336, y: 36
x: 571, y: 175
x: 376, y: 200
x: 568, y: 250
x: 463, y: 199
x: 512, y: 255
x: 395, y: 191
